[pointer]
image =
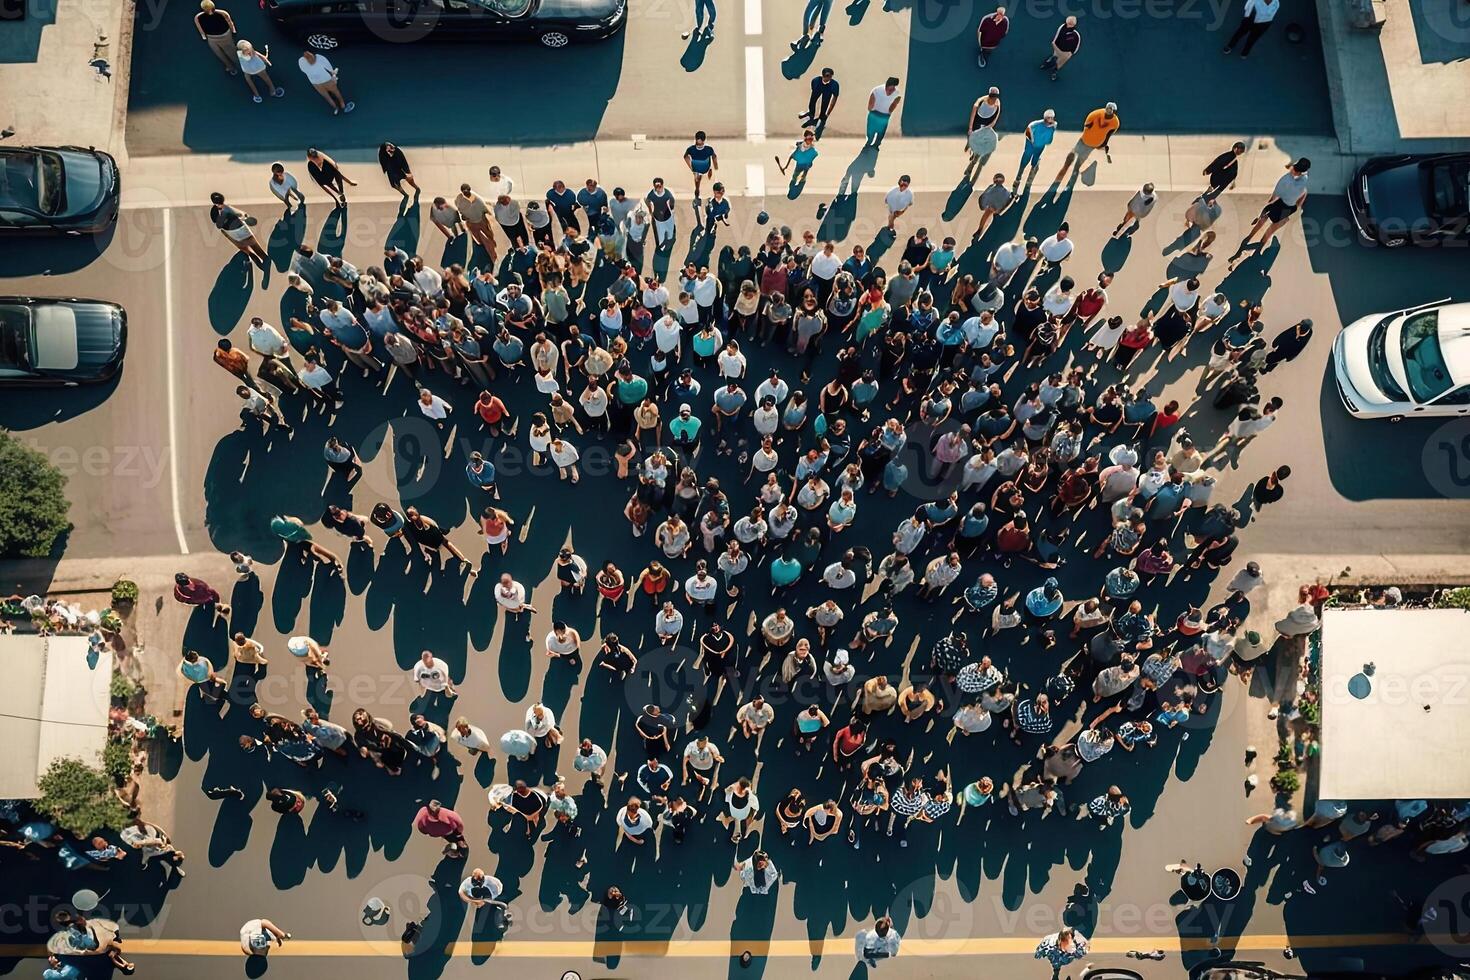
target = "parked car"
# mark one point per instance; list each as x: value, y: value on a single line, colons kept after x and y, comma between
x: 552, y: 23
x: 60, y: 341
x: 1418, y: 199
x: 1259, y: 971
x: 1409, y: 362
x: 59, y: 190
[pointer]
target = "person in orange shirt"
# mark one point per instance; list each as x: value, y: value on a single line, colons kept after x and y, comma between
x: 1097, y: 130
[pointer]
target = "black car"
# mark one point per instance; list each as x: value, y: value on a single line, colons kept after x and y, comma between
x: 60, y: 341
x: 1406, y: 199
x: 58, y: 190
x: 553, y: 23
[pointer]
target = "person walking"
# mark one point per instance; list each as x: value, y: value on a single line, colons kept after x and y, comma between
x: 438, y: 821
x: 1255, y: 20
x: 1223, y: 170
x: 1039, y: 134
x: 881, y: 942
x: 813, y: 23
x: 150, y: 842
x: 217, y: 29
x: 701, y: 158
x: 1286, y: 199
x: 1060, y: 948
x: 995, y: 200
x: 980, y: 136
x: 256, y: 65
x: 883, y: 102
x: 323, y: 77
x: 825, y: 90
x: 1097, y: 130
x: 758, y: 874
x: 394, y: 164
x: 481, y: 891
x: 992, y: 30
x: 1064, y: 44
x: 475, y: 211
x: 701, y: 30
x: 328, y: 176
x: 258, y: 935
x: 1140, y: 205
x: 236, y: 225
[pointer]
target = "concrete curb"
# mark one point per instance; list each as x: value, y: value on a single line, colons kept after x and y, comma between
x: 122, y: 73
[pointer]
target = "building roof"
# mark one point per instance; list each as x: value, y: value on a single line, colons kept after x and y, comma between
x: 53, y: 705
x: 1403, y: 730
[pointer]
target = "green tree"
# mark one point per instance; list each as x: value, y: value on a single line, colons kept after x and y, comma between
x: 33, y: 501
x: 80, y: 799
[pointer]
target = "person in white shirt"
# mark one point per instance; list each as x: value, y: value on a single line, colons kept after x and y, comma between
x: 1255, y: 20
x: 284, y: 186
x: 701, y: 756
x: 839, y: 577
x: 1055, y: 249
x: 323, y: 77
x: 824, y: 268
x: 899, y: 199
x: 434, y: 408
x: 1058, y: 299
x: 668, y: 624
x: 758, y: 873
x: 469, y: 737
x: 668, y: 334
x: 432, y: 674
x: 882, y: 104
x: 1183, y: 292
x: 541, y: 722
x: 563, y: 641
x: 878, y: 943
x: 510, y: 595
x: 701, y: 588
x: 267, y: 341
x: 731, y: 361
x: 565, y: 456
x: 1008, y: 258
x: 1286, y: 199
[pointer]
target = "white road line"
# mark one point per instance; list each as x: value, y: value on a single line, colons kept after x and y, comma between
x: 755, y: 180
x: 173, y: 401
x: 755, y: 94
x: 752, y: 16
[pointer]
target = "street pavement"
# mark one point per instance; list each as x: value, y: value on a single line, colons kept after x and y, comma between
x: 746, y: 81
x: 1356, y: 487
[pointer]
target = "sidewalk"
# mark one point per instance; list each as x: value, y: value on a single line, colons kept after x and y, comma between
x: 1402, y: 82
x: 72, y: 59
x: 1172, y: 163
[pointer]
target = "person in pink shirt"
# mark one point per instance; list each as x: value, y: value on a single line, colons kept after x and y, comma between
x: 436, y: 820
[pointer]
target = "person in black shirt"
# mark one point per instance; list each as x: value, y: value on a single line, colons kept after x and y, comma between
x: 1268, y: 489
x: 917, y: 251
x: 823, y: 101
x: 561, y: 202
x: 1064, y: 44
x: 529, y: 804
x: 1030, y: 314
x: 660, y: 202
x: 395, y: 167
x: 1223, y: 170
x: 717, y: 657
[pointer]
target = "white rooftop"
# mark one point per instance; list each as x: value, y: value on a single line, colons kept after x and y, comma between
x: 53, y: 705
x: 1403, y: 731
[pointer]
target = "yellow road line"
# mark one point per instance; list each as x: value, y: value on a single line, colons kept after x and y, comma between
x: 724, y: 948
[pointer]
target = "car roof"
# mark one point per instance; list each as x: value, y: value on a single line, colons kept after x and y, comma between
x: 1454, y: 340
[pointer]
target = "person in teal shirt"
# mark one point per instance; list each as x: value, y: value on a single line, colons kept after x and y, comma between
x: 803, y: 156
x: 684, y: 427
x: 785, y: 570
x: 939, y: 262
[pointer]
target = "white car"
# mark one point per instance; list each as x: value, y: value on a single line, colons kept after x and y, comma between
x: 1410, y: 362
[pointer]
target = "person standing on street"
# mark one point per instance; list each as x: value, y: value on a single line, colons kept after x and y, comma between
x: 323, y: 77
x: 700, y: 30
x: 1139, y: 207
x: 700, y: 158
x: 994, y: 200
x: 1064, y: 44
x: 436, y: 820
x: 328, y: 176
x: 980, y: 136
x: 1255, y: 20
x: 898, y: 200
x: 882, y: 104
x: 256, y: 64
x: 758, y: 874
x: 394, y: 164
x: 150, y: 842
x: 476, y: 214
x: 1097, y: 131
x: 217, y: 29
x: 234, y: 224
x: 284, y: 186
x: 480, y: 891
x: 1039, y: 134
x: 813, y: 22
x: 878, y: 943
x: 823, y: 100
x: 993, y: 29
x: 1286, y: 200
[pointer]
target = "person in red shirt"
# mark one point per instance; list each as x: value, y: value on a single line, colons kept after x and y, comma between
x: 1165, y: 419
x: 197, y: 592
x: 993, y: 29
x: 436, y: 820
x: 492, y: 411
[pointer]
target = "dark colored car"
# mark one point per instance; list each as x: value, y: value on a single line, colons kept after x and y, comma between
x: 552, y: 23
x: 60, y: 341
x: 1419, y: 200
x: 58, y: 190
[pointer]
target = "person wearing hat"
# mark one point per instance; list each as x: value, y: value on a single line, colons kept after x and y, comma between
x: 1286, y: 199
x: 1039, y: 134
x: 992, y: 30
x: 1097, y: 129
x: 981, y: 137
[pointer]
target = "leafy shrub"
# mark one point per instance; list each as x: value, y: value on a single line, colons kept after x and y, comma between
x: 79, y: 799
x: 124, y: 591
x: 33, y: 501
x: 1455, y: 598
x: 123, y: 688
x: 117, y: 760
x: 1286, y: 781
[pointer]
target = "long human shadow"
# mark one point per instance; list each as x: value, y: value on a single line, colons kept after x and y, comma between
x: 231, y: 294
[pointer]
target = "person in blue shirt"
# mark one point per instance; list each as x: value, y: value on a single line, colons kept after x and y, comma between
x: 858, y: 265
x: 716, y: 210
x: 684, y: 427
x: 481, y: 473
x: 57, y: 970
x: 785, y: 570
x: 1039, y: 133
x: 700, y: 157
x: 593, y: 200
x: 563, y: 203
x: 1044, y: 601
x: 803, y: 156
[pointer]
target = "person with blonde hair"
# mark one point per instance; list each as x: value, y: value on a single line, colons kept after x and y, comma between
x: 256, y: 64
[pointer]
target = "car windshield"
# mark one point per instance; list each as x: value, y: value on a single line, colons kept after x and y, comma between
x: 15, y: 332
x: 1424, y: 364
x: 506, y: 8
x: 1378, y: 362
x: 30, y: 181
x: 1449, y: 189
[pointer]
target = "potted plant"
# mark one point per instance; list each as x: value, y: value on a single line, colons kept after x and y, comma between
x: 124, y: 593
x: 123, y: 689
x: 1286, y: 782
